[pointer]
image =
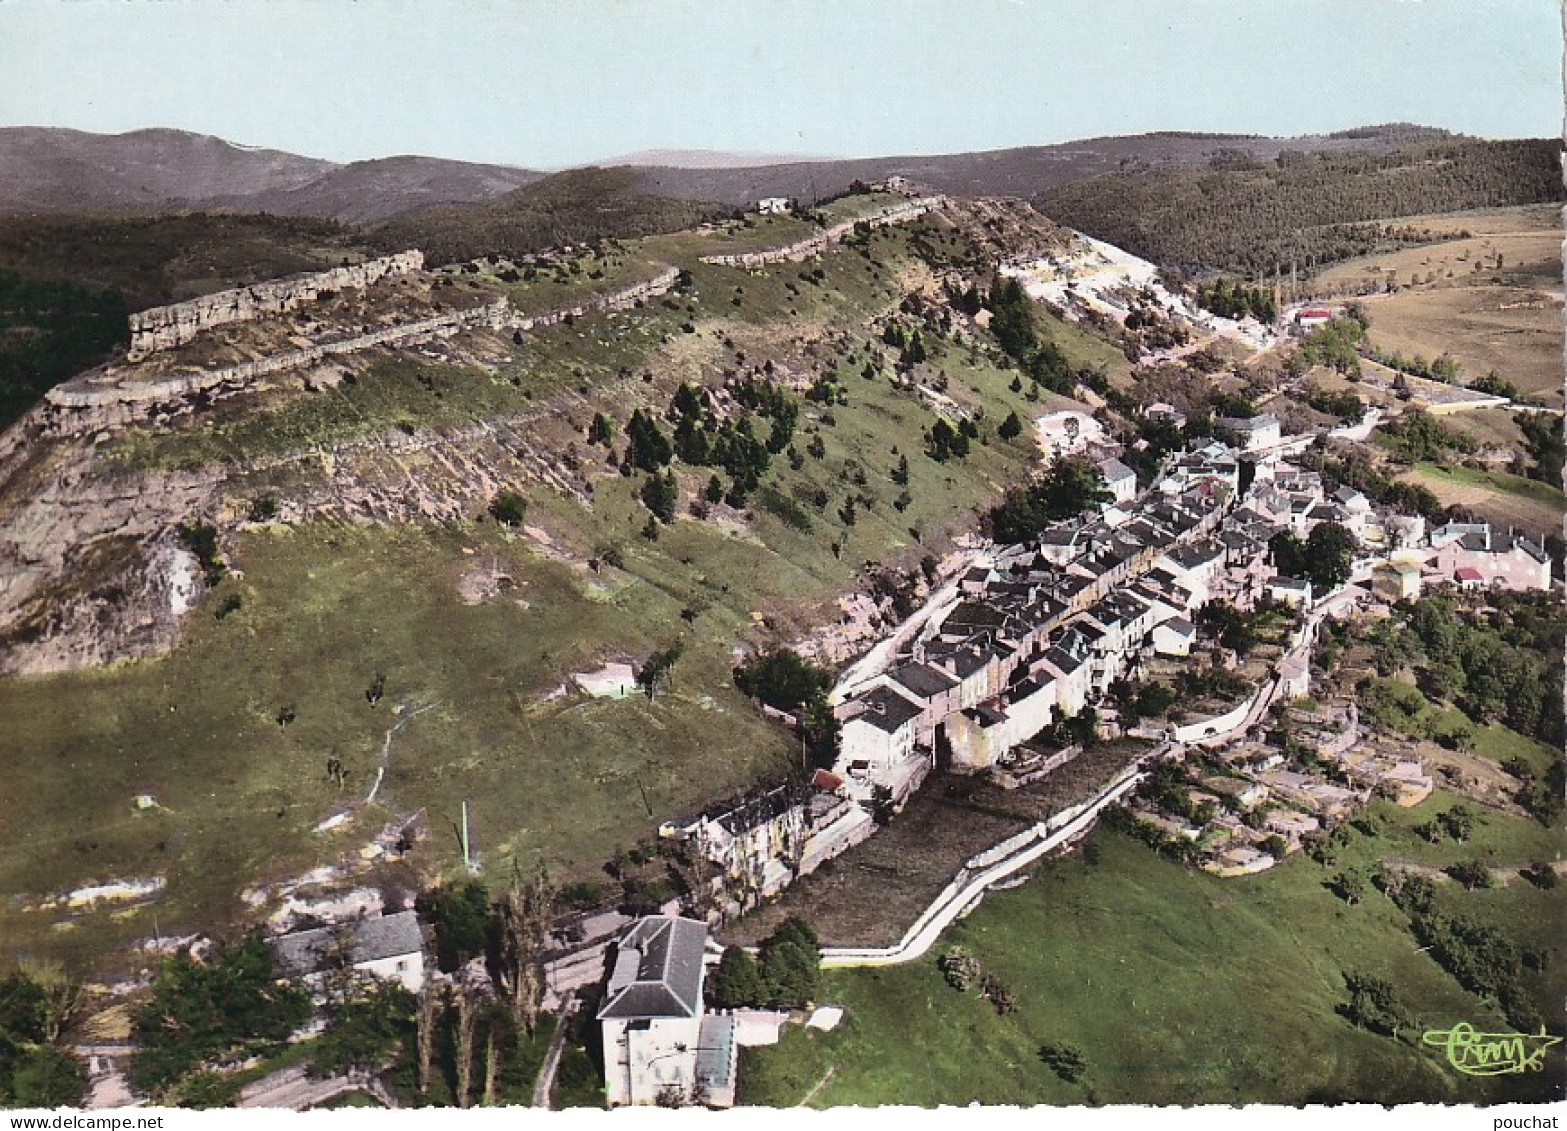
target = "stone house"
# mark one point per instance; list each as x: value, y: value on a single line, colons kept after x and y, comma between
x: 390, y: 947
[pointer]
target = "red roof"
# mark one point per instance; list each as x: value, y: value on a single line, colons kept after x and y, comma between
x: 1315, y: 312
x: 1468, y: 574
x: 826, y: 781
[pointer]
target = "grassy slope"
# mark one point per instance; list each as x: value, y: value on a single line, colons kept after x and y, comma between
x: 1225, y: 992
x: 327, y: 607
x: 1496, y: 495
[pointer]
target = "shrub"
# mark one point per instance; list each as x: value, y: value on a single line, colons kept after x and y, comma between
x: 509, y: 508
x: 1066, y: 1061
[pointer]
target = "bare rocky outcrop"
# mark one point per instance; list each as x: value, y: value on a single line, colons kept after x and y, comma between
x: 168, y: 327
x: 114, y: 397
x: 91, y: 569
x: 819, y: 242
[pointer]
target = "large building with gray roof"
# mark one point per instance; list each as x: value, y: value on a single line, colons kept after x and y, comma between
x: 655, y: 1035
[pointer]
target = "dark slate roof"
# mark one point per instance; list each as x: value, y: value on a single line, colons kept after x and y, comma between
x: 1089, y: 630
x: 658, y: 970
x: 922, y: 679
x: 1062, y: 660
x: 1022, y: 689
x: 969, y: 661
x: 1071, y: 584
x: 1180, y: 625
x: 369, y: 940
x: 1060, y: 535
x: 985, y: 715
x: 1328, y: 512
x: 1189, y: 557
x: 1114, y: 469
x: 1528, y: 547
x: 975, y: 614
x: 886, y: 710
x: 754, y: 812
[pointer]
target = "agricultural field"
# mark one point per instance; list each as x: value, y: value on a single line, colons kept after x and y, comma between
x: 1226, y: 991
x: 1492, y: 300
x: 1496, y: 496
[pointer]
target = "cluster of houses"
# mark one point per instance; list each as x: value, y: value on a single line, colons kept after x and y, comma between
x: 1043, y: 629
x: 1029, y: 636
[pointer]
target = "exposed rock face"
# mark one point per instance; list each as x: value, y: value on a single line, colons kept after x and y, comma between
x: 111, y: 398
x: 90, y: 568
x: 167, y: 327
x: 91, y: 571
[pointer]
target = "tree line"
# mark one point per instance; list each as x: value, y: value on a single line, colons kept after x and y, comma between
x: 1253, y: 218
x: 50, y: 331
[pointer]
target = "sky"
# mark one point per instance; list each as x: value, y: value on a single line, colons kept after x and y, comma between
x: 552, y: 83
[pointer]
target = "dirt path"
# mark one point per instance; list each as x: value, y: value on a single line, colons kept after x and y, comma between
x: 820, y: 1084
x: 546, y: 1081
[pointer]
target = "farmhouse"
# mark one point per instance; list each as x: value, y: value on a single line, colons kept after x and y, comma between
x: 390, y: 947
x: 1475, y: 556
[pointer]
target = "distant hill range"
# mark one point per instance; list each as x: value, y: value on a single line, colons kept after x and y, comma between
x: 56, y: 170
x: 159, y: 170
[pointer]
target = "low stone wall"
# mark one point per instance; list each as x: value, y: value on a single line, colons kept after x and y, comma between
x: 1199, y: 729
x: 166, y: 327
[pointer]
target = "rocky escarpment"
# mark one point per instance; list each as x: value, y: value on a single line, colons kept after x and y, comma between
x: 114, y: 397
x: 169, y: 327
x: 85, y: 576
x: 818, y: 242
x: 90, y: 570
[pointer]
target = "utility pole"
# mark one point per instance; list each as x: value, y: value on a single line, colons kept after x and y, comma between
x: 467, y: 855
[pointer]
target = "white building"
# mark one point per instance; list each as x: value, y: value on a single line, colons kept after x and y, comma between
x: 1174, y: 637
x: 1293, y: 591
x: 1120, y: 479
x: 657, y: 1043
x: 879, y: 735
x: 773, y: 205
x: 1253, y: 432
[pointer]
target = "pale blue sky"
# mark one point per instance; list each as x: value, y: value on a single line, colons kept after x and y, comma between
x: 547, y: 83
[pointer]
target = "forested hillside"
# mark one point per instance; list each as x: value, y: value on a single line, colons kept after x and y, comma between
x: 151, y: 260
x: 47, y: 332
x: 1245, y: 215
x: 573, y: 207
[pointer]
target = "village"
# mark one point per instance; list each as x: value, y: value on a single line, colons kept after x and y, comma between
x: 1029, y: 646
x: 1162, y: 617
